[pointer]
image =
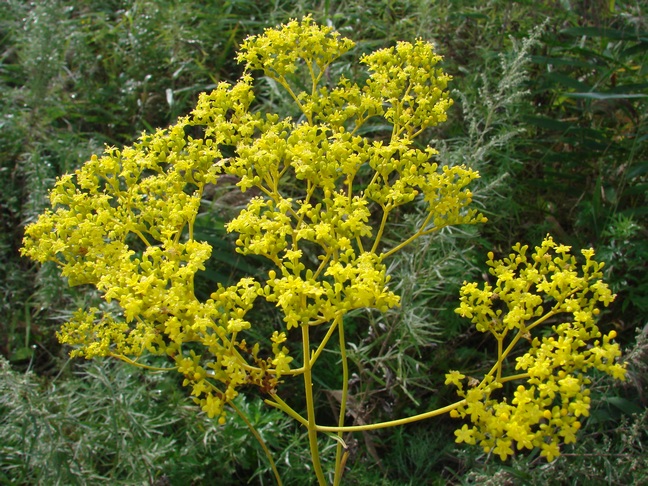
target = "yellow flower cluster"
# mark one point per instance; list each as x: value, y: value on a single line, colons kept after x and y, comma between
x: 547, y: 288
x: 124, y: 221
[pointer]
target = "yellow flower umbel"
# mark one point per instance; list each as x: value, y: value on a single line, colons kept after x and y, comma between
x: 124, y: 221
x: 547, y: 289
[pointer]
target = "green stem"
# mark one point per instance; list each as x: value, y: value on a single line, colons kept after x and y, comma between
x: 296, y: 371
x: 322, y: 345
x: 258, y: 437
x: 310, y: 189
x: 418, y: 132
x: 322, y: 265
x: 284, y: 407
x: 520, y: 334
x: 140, y: 235
x: 140, y: 365
x: 519, y: 376
x: 500, y: 359
x: 381, y: 229
x: 310, y: 407
x: 283, y: 82
x: 339, y: 462
x: 421, y: 232
x: 392, y: 423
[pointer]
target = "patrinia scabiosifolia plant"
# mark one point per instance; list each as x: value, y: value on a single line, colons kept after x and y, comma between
x: 124, y: 222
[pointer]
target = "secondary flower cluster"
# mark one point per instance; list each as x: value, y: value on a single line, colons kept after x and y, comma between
x: 124, y: 221
x: 546, y: 288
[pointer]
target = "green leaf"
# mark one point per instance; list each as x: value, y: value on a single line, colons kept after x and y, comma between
x: 21, y: 354
x: 639, y: 189
x: 562, y: 61
x: 547, y: 123
x: 605, y: 33
x: 636, y: 49
x: 626, y: 406
x: 629, y: 88
x: 637, y: 170
x: 605, y: 96
x: 568, y: 81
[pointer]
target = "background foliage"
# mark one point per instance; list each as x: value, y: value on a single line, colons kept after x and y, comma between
x: 551, y: 109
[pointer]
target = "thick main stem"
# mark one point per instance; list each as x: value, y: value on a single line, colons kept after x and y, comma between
x: 339, y: 461
x: 310, y: 407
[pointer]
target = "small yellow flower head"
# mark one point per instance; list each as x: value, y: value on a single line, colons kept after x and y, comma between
x: 407, y: 77
x: 530, y: 291
x: 281, y: 51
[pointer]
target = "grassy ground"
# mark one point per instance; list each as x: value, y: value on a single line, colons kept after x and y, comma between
x: 550, y: 108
